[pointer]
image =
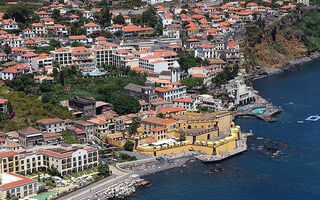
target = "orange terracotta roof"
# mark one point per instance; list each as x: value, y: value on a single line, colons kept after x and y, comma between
x: 22, y: 180
x: 158, y: 120
x: 7, y: 154
x: 91, y: 24
x: 171, y: 110
x: 77, y: 37
x: 49, y: 121
x: 184, y: 100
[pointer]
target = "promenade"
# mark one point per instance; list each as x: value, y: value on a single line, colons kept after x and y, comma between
x: 88, y: 192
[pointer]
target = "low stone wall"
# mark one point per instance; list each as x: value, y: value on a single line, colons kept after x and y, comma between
x: 152, y: 165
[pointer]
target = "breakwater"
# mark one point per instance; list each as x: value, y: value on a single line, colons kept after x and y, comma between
x: 152, y: 165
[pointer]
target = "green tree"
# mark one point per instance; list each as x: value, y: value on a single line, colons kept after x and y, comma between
x: 8, y: 196
x: 21, y: 12
x: 227, y: 74
x: 22, y: 83
x: 76, y: 44
x: 203, y: 108
x: 103, y: 169
x: 53, y: 171
x: 124, y: 104
x: 57, y: 16
x: 159, y: 29
x: 119, y: 19
x: 7, y: 49
x: 133, y: 3
x: 192, y: 82
x: 160, y: 115
x: 209, y: 37
x: 128, y: 146
x: 55, y: 71
x: 149, y: 17
x: 134, y: 126
x: 104, y: 17
x: 187, y: 61
x: 55, y: 44
x: 62, y: 78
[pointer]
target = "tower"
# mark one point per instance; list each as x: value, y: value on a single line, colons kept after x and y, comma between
x: 175, y: 72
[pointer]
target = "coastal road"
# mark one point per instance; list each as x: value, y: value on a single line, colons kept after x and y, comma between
x: 88, y: 191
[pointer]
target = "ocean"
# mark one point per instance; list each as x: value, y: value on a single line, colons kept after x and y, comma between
x: 292, y: 173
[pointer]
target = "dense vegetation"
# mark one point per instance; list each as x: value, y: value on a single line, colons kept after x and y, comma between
x: 310, y: 26
x: 70, y: 82
x: 192, y: 82
x: 28, y: 109
x: 227, y: 74
x: 187, y: 61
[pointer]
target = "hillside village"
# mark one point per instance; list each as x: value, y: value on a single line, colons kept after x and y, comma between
x: 163, y: 79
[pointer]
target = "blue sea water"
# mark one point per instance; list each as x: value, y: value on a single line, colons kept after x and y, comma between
x: 255, y: 174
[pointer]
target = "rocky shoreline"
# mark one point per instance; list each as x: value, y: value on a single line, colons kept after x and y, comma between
x: 122, y: 190
x: 288, y: 66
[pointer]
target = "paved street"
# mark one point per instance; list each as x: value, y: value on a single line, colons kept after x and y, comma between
x: 85, y: 192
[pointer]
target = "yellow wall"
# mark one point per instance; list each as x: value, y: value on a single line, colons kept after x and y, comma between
x: 226, y: 147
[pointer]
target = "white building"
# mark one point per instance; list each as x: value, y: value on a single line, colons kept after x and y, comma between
x: 52, y: 125
x: 305, y: 2
x: 28, y: 34
x: 171, y: 32
x: 103, y: 53
x: 62, y: 55
x: 70, y: 160
x: 170, y: 92
x: 15, y: 71
x: 239, y: 91
x: 205, y: 51
x: 39, y: 29
x: 9, y: 24
x: 17, y: 185
x: 91, y: 28
x: 41, y: 61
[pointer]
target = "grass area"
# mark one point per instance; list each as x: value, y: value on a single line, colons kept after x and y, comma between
x: 28, y: 109
x: 92, y: 172
x: 96, y: 177
x: 68, y: 138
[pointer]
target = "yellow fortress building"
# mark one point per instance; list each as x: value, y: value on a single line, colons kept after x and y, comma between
x: 209, y: 133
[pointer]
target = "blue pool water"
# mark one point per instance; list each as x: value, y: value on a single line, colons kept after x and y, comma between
x: 295, y: 175
x: 95, y: 73
x: 258, y: 110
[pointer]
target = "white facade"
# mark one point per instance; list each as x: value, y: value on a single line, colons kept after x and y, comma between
x: 305, y: 2
x: 205, y: 51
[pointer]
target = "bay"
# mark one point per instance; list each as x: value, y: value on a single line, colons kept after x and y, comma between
x: 255, y: 174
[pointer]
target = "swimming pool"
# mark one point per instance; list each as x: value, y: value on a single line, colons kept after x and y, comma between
x: 45, y: 195
x: 95, y: 73
x: 258, y: 110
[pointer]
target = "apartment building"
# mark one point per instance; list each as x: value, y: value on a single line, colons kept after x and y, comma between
x: 91, y: 28
x: 205, y: 51
x: 15, y: 71
x: 51, y: 125
x: 82, y: 157
x: 30, y: 136
x: 103, y: 53
x: 17, y: 185
x: 41, y: 62
x: 63, y: 56
x: 39, y: 29
x: 170, y: 92
x: 70, y: 160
